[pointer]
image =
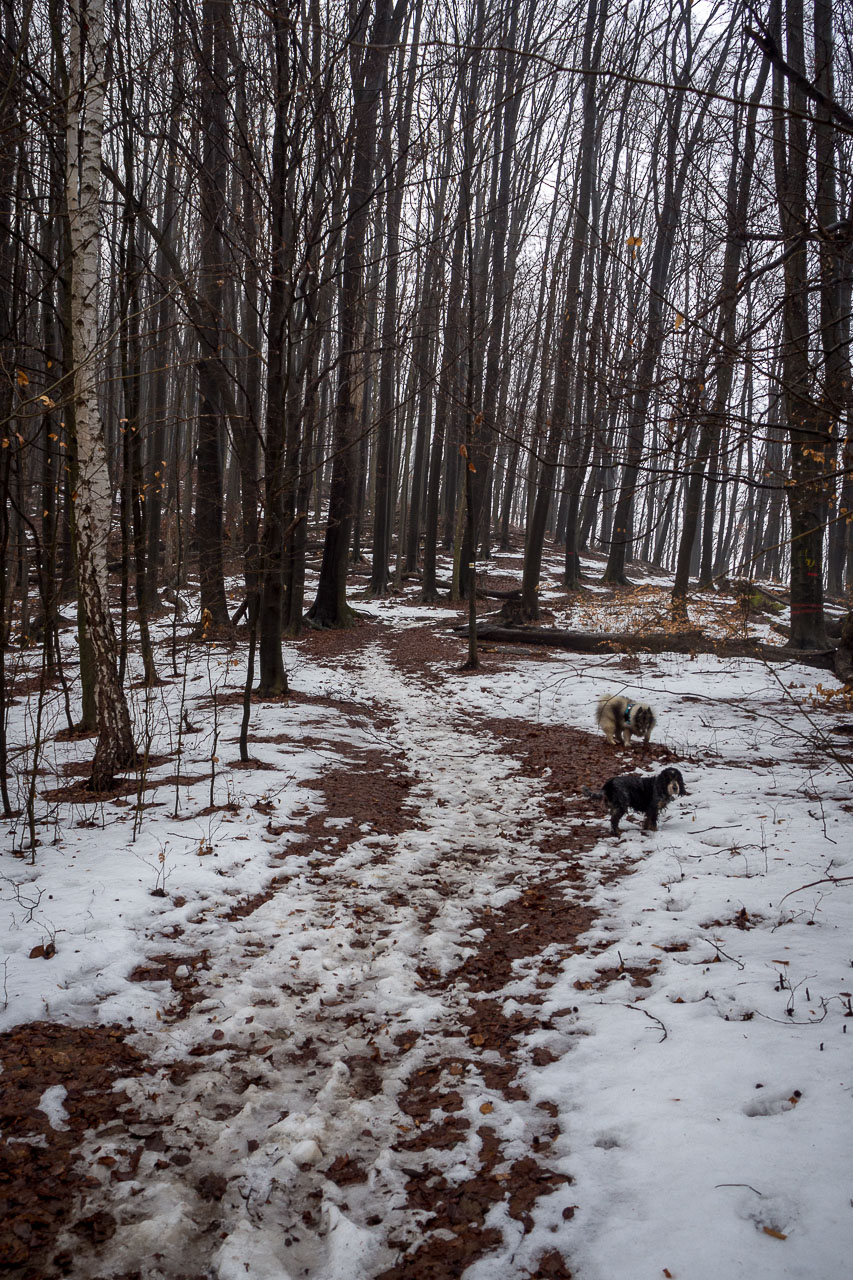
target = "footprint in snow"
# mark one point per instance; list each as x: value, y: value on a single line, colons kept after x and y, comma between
x: 772, y: 1214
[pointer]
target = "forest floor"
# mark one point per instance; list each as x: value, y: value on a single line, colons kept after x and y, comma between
x: 360, y: 1009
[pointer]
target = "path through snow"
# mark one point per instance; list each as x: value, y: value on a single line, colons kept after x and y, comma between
x: 406, y: 1013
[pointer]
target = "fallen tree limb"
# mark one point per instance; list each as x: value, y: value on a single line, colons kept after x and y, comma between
x: 482, y: 594
x: 653, y: 642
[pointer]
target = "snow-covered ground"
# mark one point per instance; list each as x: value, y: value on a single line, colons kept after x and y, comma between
x: 713, y: 1121
x: 706, y: 1135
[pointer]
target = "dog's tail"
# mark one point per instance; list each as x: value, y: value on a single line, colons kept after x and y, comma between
x: 592, y: 795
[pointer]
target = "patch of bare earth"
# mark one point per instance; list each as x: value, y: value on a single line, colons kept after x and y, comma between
x: 42, y: 1186
x: 369, y: 793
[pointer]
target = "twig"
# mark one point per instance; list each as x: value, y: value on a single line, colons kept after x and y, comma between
x: 824, y: 740
x: 819, y: 801
x: 637, y: 1009
x: 792, y: 1022
x: 737, y: 1184
x: 720, y: 952
x: 812, y: 883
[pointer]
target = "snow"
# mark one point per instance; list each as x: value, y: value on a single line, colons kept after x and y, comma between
x: 51, y: 1104
x: 703, y: 1119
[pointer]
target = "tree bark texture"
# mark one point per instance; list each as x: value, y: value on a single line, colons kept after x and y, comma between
x: 368, y: 67
x: 93, y: 496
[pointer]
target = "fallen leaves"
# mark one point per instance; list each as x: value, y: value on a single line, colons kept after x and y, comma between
x: 41, y: 1184
x: 43, y: 952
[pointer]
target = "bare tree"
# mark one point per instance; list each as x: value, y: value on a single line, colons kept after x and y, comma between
x: 93, y: 492
x: 370, y: 43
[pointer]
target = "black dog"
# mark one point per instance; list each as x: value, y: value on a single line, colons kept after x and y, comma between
x: 646, y: 795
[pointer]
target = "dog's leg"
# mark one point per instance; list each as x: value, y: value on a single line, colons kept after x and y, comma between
x: 607, y: 724
x: 651, y: 822
x: 616, y: 814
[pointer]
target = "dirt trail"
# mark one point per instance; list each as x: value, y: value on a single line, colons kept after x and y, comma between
x: 340, y: 1091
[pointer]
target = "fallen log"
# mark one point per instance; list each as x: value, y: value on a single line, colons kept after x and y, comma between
x: 514, y: 593
x: 653, y: 642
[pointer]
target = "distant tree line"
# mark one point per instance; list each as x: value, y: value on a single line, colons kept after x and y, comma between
x: 414, y: 280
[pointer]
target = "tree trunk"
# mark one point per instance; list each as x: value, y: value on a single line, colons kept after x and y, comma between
x: 273, y: 678
x: 396, y: 168
x: 739, y: 186
x: 809, y: 424
x: 93, y: 496
x: 674, y: 179
x: 214, y: 268
x: 368, y: 69
x: 448, y: 397
x: 566, y: 356
x: 835, y: 293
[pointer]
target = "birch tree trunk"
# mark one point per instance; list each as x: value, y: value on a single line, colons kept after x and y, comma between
x: 93, y: 495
